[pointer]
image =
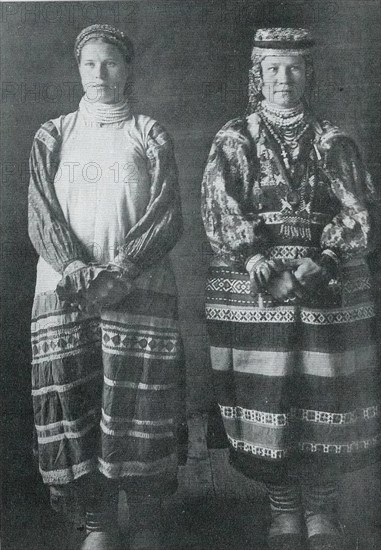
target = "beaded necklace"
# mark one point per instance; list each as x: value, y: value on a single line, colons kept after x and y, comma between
x: 286, y: 126
x: 106, y: 113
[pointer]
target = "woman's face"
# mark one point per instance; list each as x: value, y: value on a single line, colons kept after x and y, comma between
x: 284, y: 80
x: 104, y: 72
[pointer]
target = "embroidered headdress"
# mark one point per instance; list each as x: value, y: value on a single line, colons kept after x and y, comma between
x: 108, y: 33
x: 278, y: 41
x: 284, y: 40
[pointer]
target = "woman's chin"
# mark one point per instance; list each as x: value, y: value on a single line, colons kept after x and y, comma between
x: 285, y: 103
x: 101, y: 94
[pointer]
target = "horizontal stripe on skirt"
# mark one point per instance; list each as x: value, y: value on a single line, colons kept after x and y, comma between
x: 300, y: 431
x: 281, y: 363
x: 296, y: 379
x: 105, y: 390
x: 278, y: 394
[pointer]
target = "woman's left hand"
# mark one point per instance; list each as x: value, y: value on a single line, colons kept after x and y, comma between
x: 106, y: 291
x: 309, y: 274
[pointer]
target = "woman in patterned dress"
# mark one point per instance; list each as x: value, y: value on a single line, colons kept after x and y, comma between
x: 290, y: 307
x: 104, y: 211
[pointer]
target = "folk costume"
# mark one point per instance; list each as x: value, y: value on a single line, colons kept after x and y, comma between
x: 104, y: 197
x: 297, y: 382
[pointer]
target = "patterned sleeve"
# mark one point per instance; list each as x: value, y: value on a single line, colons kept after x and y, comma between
x: 48, y: 229
x: 157, y: 232
x: 232, y: 226
x: 350, y: 231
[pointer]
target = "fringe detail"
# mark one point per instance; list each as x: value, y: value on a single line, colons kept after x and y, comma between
x: 294, y: 231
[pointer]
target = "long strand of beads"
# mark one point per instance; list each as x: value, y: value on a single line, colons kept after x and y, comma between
x: 280, y: 141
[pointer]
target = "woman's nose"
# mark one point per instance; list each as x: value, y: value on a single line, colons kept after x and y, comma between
x: 284, y: 75
x: 100, y: 71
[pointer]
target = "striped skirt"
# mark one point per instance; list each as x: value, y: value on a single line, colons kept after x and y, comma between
x: 106, y: 390
x: 297, y: 384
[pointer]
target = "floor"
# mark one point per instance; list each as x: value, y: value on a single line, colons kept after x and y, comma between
x: 214, y: 508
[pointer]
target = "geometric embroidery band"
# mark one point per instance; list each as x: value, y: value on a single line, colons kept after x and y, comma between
x: 224, y: 284
x: 321, y: 417
x: 327, y: 448
x: 155, y: 344
x: 258, y: 417
x: 256, y: 449
x: 339, y: 316
x: 307, y: 447
x: 62, y: 341
x: 279, y: 217
x: 251, y: 315
x: 305, y: 415
x: 357, y: 285
x: 291, y: 252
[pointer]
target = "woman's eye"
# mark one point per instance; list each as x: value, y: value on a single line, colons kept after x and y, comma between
x: 271, y: 69
x: 89, y: 64
x: 111, y: 63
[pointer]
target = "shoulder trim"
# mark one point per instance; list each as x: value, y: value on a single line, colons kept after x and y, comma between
x: 48, y: 134
x: 327, y: 133
x: 234, y: 129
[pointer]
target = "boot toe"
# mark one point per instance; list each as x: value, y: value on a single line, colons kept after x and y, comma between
x: 102, y: 541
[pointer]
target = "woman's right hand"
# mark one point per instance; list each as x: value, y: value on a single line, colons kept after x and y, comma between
x: 106, y: 291
x: 284, y: 286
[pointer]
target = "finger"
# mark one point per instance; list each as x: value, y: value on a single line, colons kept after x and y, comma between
x: 262, y: 278
x: 298, y: 293
x: 253, y: 285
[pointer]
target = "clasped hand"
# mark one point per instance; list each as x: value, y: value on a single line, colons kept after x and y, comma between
x: 293, y: 283
x: 105, y: 291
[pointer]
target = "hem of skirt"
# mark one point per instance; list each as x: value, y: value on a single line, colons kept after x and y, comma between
x: 166, y: 468
x: 300, y: 467
x: 68, y: 475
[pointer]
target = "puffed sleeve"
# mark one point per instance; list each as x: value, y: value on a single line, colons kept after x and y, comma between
x: 159, y: 229
x: 229, y: 200
x: 350, y: 232
x: 48, y: 229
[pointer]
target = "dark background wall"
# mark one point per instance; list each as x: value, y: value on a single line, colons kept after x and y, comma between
x: 192, y: 59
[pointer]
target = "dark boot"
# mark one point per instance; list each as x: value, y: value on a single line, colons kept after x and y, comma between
x: 287, y: 526
x: 146, y: 524
x: 102, y: 531
x: 322, y: 522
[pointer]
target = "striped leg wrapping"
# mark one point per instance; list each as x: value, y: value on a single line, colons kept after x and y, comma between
x: 320, y: 498
x: 284, y: 498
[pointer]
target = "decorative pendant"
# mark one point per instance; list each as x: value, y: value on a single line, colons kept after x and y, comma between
x: 293, y: 198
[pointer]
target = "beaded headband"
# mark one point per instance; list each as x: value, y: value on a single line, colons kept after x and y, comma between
x: 281, y: 41
x: 110, y: 34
